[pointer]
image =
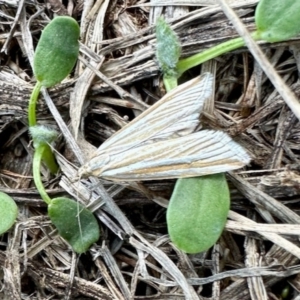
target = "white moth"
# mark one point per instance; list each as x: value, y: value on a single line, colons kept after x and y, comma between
x: 161, y: 142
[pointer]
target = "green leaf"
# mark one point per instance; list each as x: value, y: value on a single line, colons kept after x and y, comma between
x: 277, y: 20
x: 197, y: 212
x: 57, y: 51
x: 42, y: 135
x: 76, y: 224
x: 8, y: 212
x: 168, y: 48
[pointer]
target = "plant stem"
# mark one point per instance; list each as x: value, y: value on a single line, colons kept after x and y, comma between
x: 199, y: 58
x: 32, y: 104
x: 36, y: 166
x: 48, y: 156
x: 170, y: 83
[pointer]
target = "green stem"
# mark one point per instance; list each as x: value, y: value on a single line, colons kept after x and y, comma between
x: 48, y: 157
x: 199, y: 58
x: 32, y: 104
x: 170, y: 83
x: 37, y: 160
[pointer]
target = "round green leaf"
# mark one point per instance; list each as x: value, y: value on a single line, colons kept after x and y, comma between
x: 76, y: 224
x: 277, y: 20
x: 8, y: 212
x: 57, y: 51
x: 197, y: 212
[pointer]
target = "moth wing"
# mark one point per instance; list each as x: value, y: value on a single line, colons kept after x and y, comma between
x: 176, y: 113
x: 200, y: 153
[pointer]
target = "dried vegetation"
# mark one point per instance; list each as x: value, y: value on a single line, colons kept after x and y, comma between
x: 258, y: 254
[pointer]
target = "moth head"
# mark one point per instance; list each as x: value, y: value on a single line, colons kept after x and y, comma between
x: 94, y: 167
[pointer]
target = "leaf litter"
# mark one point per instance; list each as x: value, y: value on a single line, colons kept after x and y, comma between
x: 258, y: 254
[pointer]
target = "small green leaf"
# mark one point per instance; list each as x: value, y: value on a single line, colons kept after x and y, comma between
x: 277, y: 20
x: 197, y: 212
x: 8, y: 212
x: 76, y: 224
x: 168, y: 48
x: 42, y: 135
x: 57, y: 51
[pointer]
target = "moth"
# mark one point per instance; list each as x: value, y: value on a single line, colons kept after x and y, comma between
x: 161, y: 143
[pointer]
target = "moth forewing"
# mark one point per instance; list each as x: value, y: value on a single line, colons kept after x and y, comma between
x: 160, y: 143
x: 177, y: 110
x: 200, y: 153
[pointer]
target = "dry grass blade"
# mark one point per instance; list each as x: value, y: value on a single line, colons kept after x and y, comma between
x: 267, y: 67
x: 116, y: 78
